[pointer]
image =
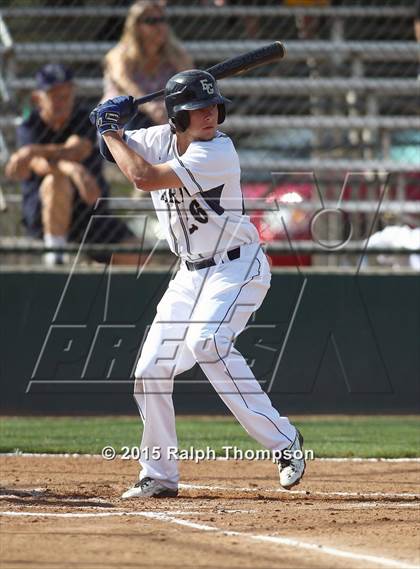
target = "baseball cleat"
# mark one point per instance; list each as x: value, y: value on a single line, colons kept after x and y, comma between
x: 292, y: 463
x: 149, y: 488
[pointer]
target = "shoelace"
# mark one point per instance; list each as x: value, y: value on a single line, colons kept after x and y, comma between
x: 144, y: 482
x: 285, y: 463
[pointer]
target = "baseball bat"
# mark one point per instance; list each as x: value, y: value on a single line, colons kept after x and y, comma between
x: 235, y: 65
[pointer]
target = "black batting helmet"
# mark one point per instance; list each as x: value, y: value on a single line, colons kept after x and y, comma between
x: 190, y: 90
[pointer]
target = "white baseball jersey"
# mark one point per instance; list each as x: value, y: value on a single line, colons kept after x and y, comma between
x: 206, y: 215
x: 201, y: 218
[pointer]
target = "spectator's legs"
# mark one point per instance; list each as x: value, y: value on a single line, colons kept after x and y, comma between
x: 56, y: 193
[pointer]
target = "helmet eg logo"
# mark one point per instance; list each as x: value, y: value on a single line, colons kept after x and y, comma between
x: 207, y: 87
x: 188, y: 91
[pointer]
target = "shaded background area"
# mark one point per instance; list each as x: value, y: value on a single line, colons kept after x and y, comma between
x: 345, y: 99
x: 349, y: 345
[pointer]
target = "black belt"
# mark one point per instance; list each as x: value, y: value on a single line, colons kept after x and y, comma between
x: 197, y: 265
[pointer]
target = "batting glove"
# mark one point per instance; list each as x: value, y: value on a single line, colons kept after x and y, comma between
x: 113, y: 114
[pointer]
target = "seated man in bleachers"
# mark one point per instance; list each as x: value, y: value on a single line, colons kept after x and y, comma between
x: 61, y: 171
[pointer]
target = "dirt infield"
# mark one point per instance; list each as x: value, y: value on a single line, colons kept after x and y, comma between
x: 66, y: 512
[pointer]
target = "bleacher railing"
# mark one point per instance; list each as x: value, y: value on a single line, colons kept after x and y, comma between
x: 345, y: 99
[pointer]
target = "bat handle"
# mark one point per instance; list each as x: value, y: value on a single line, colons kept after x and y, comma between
x: 149, y: 97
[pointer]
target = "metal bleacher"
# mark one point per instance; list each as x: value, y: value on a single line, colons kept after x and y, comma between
x: 347, y: 94
x: 336, y: 50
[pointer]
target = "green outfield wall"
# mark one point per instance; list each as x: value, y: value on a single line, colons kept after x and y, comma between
x: 321, y: 343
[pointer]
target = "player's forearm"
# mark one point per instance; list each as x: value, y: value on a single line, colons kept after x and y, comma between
x: 131, y: 164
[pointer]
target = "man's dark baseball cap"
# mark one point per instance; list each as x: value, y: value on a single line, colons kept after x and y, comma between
x: 51, y: 75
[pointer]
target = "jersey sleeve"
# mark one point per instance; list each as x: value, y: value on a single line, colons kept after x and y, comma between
x: 206, y: 165
x: 136, y: 139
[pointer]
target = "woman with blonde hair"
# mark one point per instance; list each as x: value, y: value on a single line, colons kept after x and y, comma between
x: 146, y: 56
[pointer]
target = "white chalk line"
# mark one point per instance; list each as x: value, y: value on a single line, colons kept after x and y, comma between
x: 35, y: 493
x: 91, y: 514
x: 94, y: 501
x: 24, y: 492
x: 278, y: 540
x: 43, y: 493
x: 389, y: 505
x: 302, y: 492
x: 361, y: 459
x: 64, y: 498
x: 221, y: 458
x: 38, y: 492
x: 91, y: 502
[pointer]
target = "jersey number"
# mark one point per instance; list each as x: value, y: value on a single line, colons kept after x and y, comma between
x: 198, y: 212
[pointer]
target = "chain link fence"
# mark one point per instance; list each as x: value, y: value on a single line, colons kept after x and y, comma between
x: 334, y: 126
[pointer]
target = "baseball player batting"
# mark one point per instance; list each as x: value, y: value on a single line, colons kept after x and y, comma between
x: 192, y: 171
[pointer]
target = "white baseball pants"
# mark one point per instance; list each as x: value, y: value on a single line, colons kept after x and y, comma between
x: 197, y: 321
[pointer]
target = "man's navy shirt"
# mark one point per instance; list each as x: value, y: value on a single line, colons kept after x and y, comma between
x: 34, y: 131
